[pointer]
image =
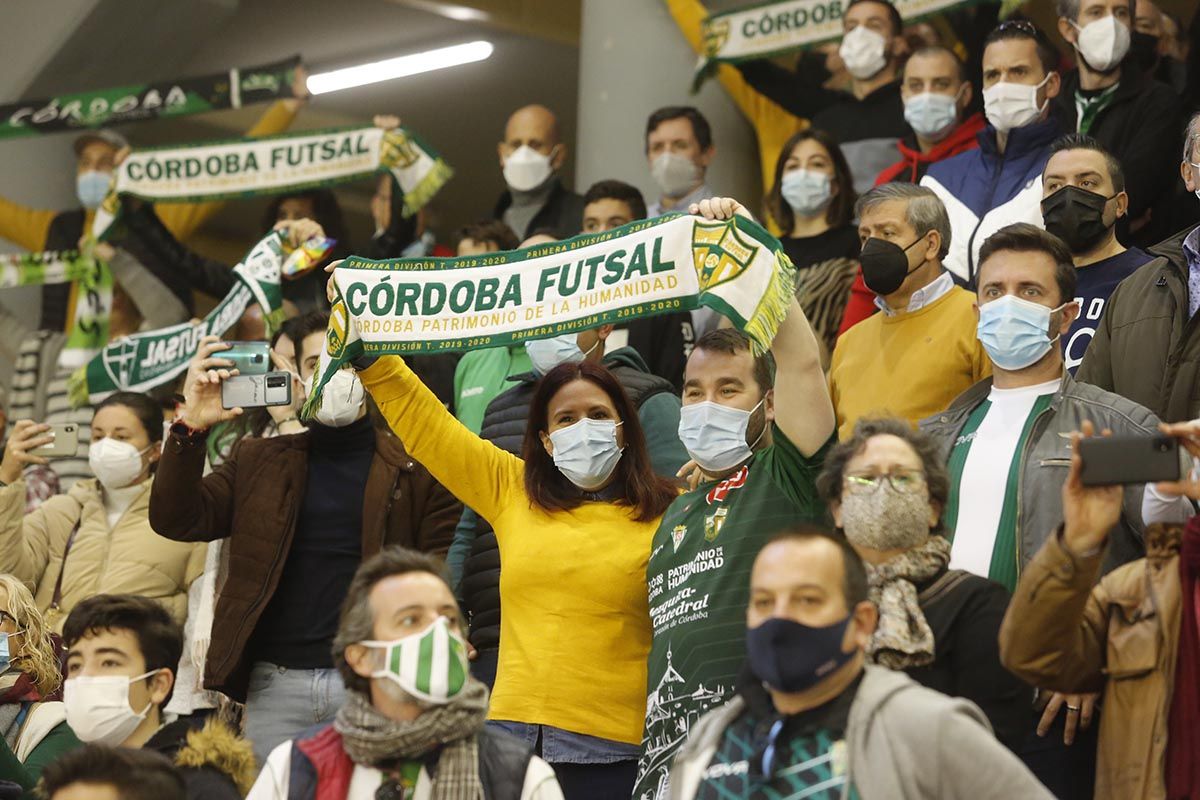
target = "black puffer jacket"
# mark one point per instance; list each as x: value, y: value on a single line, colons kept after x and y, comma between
x: 504, y: 425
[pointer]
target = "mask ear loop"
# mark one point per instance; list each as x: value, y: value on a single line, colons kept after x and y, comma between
x: 763, y: 432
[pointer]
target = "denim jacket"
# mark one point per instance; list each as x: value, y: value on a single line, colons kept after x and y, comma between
x: 1047, y: 457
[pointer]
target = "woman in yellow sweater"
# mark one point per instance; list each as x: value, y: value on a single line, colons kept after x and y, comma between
x: 574, y: 519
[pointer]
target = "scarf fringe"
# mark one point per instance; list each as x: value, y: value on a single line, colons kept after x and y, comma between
x: 773, y: 309
x: 77, y: 388
x: 416, y: 198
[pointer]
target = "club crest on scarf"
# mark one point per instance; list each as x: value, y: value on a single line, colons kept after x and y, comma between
x: 720, y: 254
x: 716, y: 34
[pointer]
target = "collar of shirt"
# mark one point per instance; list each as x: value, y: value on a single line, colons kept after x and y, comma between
x: 921, y: 297
x: 701, y: 192
x: 1191, y: 254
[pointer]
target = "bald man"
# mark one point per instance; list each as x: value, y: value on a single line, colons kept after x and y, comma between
x: 530, y: 157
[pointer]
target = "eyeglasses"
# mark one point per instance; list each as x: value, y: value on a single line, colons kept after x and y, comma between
x: 903, y: 481
x: 1022, y: 25
x: 7, y: 617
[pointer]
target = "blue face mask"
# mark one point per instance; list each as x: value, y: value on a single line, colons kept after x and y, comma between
x: 789, y: 656
x: 91, y: 187
x: 586, y: 452
x: 1015, y: 332
x: 5, y: 655
x: 932, y: 115
x: 715, y: 435
x: 806, y: 192
x: 546, y: 354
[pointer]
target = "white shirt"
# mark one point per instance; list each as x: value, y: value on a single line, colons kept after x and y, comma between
x: 118, y: 501
x: 921, y: 297
x: 984, y: 480
x: 272, y: 783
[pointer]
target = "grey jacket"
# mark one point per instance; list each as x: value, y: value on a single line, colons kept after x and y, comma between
x: 903, y: 741
x: 1048, y: 456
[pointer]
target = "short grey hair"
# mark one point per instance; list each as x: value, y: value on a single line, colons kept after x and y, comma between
x: 1069, y: 9
x: 357, y: 623
x: 1191, y: 136
x: 924, y: 211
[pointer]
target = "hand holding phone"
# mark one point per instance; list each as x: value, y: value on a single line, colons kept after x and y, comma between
x: 26, y: 436
x: 202, y: 406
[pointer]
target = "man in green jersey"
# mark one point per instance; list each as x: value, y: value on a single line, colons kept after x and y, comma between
x: 759, y: 440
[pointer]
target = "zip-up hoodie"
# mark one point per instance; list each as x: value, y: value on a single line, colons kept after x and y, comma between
x: 913, y: 163
x: 984, y: 190
x: 903, y: 741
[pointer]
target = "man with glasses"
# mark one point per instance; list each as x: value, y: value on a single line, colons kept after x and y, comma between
x: 920, y: 352
x: 811, y: 719
x: 1147, y: 345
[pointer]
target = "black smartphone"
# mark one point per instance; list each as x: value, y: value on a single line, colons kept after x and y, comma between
x: 1118, y: 460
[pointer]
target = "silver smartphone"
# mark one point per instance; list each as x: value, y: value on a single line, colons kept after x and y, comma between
x: 256, y: 391
x: 66, y: 441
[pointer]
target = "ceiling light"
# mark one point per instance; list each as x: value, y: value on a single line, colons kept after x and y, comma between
x: 399, y: 67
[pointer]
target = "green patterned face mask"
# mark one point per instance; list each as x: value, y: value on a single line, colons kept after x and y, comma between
x: 430, y: 665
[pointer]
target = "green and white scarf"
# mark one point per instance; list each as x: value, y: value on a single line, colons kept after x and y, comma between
x: 275, y: 165
x: 174, y: 98
x: 770, y: 29
x: 143, y: 361
x: 668, y: 264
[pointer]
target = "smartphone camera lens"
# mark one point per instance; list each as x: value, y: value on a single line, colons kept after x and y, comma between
x: 276, y: 381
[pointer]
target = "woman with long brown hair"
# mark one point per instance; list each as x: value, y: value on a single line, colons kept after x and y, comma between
x: 574, y: 519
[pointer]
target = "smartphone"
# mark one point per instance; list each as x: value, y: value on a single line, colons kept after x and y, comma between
x: 66, y: 441
x: 1115, y: 460
x: 256, y: 391
x: 249, y: 358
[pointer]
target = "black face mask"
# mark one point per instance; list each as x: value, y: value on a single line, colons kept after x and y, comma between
x: 1143, y: 49
x: 885, y: 265
x: 1076, y: 216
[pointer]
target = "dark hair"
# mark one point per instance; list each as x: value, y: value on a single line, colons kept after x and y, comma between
x: 357, y: 621
x: 1021, y: 237
x: 147, y: 410
x: 327, y: 213
x: 831, y: 480
x: 301, y: 327
x: 940, y: 49
x: 1081, y: 141
x: 488, y: 230
x: 641, y: 488
x: 1023, y: 29
x: 731, y: 341
x: 854, y: 576
x: 893, y: 14
x: 841, y: 207
x: 700, y: 127
x: 159, y: 637
x: 617, y: 190
x: 135, y: 773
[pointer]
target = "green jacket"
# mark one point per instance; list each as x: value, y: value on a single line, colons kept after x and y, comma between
x: 480, y: 376
x: 60, y: 739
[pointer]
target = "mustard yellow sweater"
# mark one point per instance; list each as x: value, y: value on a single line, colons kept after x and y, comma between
x: 909, y: 365
x: 575, y: 633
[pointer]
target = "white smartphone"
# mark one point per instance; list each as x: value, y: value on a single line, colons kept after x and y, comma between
x: 256, y: 391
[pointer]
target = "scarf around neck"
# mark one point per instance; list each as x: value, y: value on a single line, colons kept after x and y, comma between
x: 374, y: 740
x: 903, y: 639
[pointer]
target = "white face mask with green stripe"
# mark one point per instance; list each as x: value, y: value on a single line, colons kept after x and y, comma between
x: 430, y: 665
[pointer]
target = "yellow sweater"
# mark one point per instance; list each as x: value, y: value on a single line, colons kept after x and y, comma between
x: 575, y: 633
x: 909, y: 365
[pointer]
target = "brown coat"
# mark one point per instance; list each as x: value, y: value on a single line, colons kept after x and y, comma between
x: 254, y: 499
x: 1065, y: 632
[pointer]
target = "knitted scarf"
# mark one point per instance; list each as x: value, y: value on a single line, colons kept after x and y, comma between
x: 1183, y: 731
x: 902, y: 639
x: 374, y: 740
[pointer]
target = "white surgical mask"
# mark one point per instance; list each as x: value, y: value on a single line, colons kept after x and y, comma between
x: 341, y: 399
x: 430, y: 665
x: 98, y: 708
x: 674, y: 174
x: 546, y: 354
x: 586, y: 452
x: 932, y: 115
x: 1103, y: 43
x: 1013, y: 105
x: 526, y: 169
x: 807, y: 192
x: 863, y: 51
x: 116, y: 464
x: 715, y: 435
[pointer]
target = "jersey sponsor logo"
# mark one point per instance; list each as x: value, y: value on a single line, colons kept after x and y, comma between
x: 720, y: 492
x: 727, y: 770
x: 970, y: 437
x: 470, y: 392
x: 677, y: 535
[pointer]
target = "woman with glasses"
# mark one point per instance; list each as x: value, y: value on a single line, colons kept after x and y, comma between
x: 35, y: 731
x: 886, y: 487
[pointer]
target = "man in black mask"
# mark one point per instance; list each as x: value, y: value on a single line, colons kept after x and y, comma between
x: 810, y: 719
x: 1083, y: 196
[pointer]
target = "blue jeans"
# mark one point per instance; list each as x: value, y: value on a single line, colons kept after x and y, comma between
x: 282, y: 702
x: 587, y: 767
